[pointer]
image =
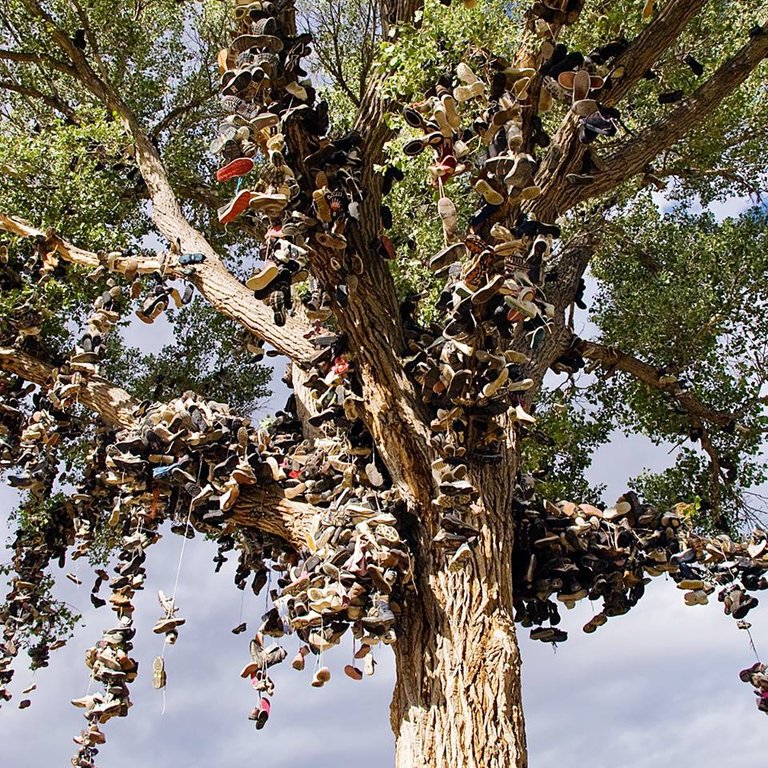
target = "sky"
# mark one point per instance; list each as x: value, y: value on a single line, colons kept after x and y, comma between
x: 658, y: 686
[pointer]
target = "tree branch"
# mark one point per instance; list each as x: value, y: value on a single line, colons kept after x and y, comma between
x: 54, y: 102
x: 715, y: 468
x: 114, y: 405
x: 263, y: 507
x: 612, y: 358
x: 571, y: 263
x: 631, y: 157
x: 165, y: 123
x: 212, y: 278
x: 566, y: 153
x: 78, y: 256
x: 648, y: 47
x: 42, y: 59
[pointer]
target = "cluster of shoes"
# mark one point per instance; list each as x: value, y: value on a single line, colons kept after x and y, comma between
x: 109, y: 660
x: 505, y: 175
x: 30, y: 429
x: 330, y: 383
x: 577, y: 80
x: 263, y: 93
x: 571, y: 552
x: 112, y: 667
x: 357, y: 563
x: 106, y: 307
x: 28, y: 610
x: 22, y: 324
x: 31, y: 448
x: 757, y: 677
x: 193, y: 455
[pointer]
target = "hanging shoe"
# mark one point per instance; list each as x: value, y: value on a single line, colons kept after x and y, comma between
x: 158, y: 673
x: 237, y: 205
x: 321, y: 677
x: 262, y: 713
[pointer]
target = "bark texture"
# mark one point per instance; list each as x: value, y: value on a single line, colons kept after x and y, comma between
x: 458, y: 697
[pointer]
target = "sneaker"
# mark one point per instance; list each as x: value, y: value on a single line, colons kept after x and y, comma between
x: 234, y: 168
x: 229, y: 212
x: 380, y: 615
x: 447, y: 212
x: 167, y: 624
x: 158, y: 673
x: 262, y: 713
x: 298, y: 659
x: 353, y: 672
x: 261, y: 279
x: 321, y: 677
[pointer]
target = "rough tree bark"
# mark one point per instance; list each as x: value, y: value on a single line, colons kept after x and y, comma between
x: 458, y: 696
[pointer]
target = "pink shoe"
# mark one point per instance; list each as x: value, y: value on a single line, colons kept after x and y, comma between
x: 262, y: 713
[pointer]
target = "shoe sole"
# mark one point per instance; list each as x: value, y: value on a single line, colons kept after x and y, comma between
x: 236, y: 207
x: 238, y: 167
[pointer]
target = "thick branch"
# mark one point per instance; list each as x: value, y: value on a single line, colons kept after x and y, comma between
x: 631, y: 157
x: 42, y: 59
x: 371, y: 318
x: 572, y: 261
x: 114, y: 405
x: 75, y: 255
x: 215, y: 282
x: 649, y: 45
x: 54, y: 102
x: 263, y: 507
x: 612, y: 358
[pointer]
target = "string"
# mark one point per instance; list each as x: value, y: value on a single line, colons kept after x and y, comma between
x: 752, y: 644
x: 322, y: 642
x: 181, y: 556
x: 173, y: 595
x: 242, y: 600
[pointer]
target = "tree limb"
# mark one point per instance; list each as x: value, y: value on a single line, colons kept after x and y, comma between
x: 54, y: 102
x: 114, y: 405
x: 632, y: 156
x: 42, y: 59
x: 78, y: 256
x: 612, y: 358
x: 212, y: 278
x: 263, y: 507
x: 165, y: 123
x: 566, y: 153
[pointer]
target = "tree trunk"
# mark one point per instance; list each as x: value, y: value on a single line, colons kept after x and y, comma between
x: 458, y: 699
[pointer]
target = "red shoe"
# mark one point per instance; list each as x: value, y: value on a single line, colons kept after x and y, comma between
x: 237, y: 167
x: 235, y: 207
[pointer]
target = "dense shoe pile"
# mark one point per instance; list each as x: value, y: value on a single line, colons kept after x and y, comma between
x: 570, y: 552
x: 265, y: 93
